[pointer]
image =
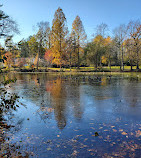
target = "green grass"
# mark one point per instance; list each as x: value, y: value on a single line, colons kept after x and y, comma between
x: 81, y: 69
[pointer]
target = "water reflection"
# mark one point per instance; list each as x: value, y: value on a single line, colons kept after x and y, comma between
x: 72, y: 108
x: 63, y: 93
x: 58, y: 94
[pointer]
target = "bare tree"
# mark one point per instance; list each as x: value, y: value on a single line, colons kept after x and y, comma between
x: 120, y: 34
x: 7, y: 25
x: 80, y: 36
x: 134, y: 29
x: 44, y: 34
x: 43, y: 37
x: 102, y: 29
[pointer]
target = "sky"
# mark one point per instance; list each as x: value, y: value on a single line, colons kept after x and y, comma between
x: 27, y: 13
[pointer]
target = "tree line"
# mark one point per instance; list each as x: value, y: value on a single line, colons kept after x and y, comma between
x: 55, y: 46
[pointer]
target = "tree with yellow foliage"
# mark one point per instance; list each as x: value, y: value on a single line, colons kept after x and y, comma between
x: 108, y: 51
x: 99, y: 48
x: 58, y: 38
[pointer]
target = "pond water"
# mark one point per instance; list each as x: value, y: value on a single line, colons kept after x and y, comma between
x: 83, y: 115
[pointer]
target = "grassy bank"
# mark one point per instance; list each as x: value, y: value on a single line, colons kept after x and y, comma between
x: 81, y: 69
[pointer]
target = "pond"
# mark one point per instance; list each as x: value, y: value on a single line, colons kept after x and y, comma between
x: 79, y: 115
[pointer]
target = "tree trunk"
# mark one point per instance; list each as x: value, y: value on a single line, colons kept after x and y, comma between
x: 70, y: 61
x: 122, y: 59
x: 38, y: 59
x: 100, y: 62
x: 131, y: 66
x: 78, y: 61
x: 137, y: 66
x: 78, y: 55
x: 109, y: 64
x: 96, y: 63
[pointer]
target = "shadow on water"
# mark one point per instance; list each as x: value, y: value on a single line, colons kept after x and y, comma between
x: 77, y: 115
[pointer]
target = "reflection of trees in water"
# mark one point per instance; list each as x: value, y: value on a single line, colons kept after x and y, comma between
x: 9, y: 126
x: 58, y: 93
x: 49, y: 98
x: 74, y: 96
x: 53, y: 93
x: 7, y: 131
x: 131, y: 92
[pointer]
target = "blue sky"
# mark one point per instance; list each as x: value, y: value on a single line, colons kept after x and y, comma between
x: 28, y: 13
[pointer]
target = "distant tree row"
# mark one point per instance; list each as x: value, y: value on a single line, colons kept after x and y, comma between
x: 55, y: 46
x: 124, y: 48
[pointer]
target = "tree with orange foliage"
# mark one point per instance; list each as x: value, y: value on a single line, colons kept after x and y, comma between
x: 8, y: 59
x: 48, y: 57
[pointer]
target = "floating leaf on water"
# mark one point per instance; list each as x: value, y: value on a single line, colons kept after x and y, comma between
x: 49, y: 149
x: 92, y: 128
x: 85, y: 139
x: 124, y: 133
x: 79, y: 135
x: 58, y: 146
x: 74, y: 153
x: 132, y: 133
x: 138, y: 133
x: 91, y: 150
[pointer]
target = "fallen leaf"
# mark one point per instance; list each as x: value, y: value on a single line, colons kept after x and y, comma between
x: 124, y: 133
x: 49, y: 149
